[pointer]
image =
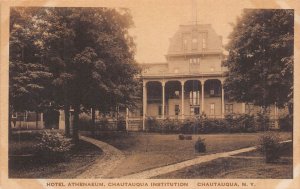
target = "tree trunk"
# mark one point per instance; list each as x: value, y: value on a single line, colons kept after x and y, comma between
x: 67, y: 120
x: 265, y: 118
x: 76, y: 124
x: 290, y: 108
x: 9, y: 124
x: 36, y: 119
x: 93, y: 122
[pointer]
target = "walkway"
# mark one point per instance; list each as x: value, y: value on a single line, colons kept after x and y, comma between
x: 174, y: 167
x: 113, y: 156
x: 102, y: 166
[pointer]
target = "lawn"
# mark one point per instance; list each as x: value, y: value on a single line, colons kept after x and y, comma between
x: 246, y: 165
x: 23, y: 164
x: 146, y: 150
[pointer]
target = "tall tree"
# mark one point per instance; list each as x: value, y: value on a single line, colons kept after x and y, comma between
x: 90, y: 55
x: 29, y: 77
x: 260, y: 59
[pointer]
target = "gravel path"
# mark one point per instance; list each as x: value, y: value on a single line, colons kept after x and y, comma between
x: 113, y: 156
x: 174, y: 167
x: 102, y: 166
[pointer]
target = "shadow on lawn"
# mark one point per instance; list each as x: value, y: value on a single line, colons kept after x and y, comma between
x: 117, y: 139
x: 23, y: 163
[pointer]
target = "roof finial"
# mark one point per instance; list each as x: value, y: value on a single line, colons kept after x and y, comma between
x: 195, y: 12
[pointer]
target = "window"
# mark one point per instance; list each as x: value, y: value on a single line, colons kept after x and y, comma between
x: 229, y: 108
x: 160, y: 110
x: 212, y: 109
x: 177, y: 110
x: 204, y: 43
x: 194, y: 44
x: 248, y: 108
x: 194, y: 97
x: 184, y: 44
x: 198, y: 60
x: 212, y: 92
x: 195, y: 110
x: 195, y: 60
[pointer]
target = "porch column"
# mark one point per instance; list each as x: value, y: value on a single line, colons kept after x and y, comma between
x: 223, y: 102
x: 144, y: 103
x: 163, y: 99
x: 182, y: 99
x: 42, y: 121
x: 126, y: 118
x: 202, y: 95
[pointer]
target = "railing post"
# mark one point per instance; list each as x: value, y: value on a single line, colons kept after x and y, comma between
x: 182, y: 100
x: 163, y: 99
x: 144, y: 103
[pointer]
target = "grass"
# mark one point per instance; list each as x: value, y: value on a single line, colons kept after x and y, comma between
x: 145, y: 151
x: 250, y: 165
x: 23, y: 164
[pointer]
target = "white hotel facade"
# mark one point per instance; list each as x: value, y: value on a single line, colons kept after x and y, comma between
x: 191, y: 80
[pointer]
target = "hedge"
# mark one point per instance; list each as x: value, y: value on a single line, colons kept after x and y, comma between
x: 233, y: 123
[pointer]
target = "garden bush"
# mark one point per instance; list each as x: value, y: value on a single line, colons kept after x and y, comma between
x: 270, y: 146
x: 103, y: 124
x: 240, y: 123
x: 233, y: 123
x: 85, y: 122
x: 200, y: 145
x: 188, y: 126
x: 181, y: 137
x: 262, y: 122
x: 286, y: 123
x: 170, y: 126
x: 121, y: 124
x: 53, y: 146
x: 152, y: 124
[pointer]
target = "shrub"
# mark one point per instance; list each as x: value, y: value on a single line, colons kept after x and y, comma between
x: 270, y: 146
x: 53, y: 146
x: 170, y: 126
x: 85, y: 122
x: 121, y: 124
x: 200, y: 145
x: 262, y: 122
x: 240, y: 123
x: 286, y: 123
x: 181, y: 137
x: 212, y: 126
x: 103, y: 124
x: 187, y: 126
x: 152, y: 124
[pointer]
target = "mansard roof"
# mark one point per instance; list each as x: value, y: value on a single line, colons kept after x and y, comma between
x: 195, y: 39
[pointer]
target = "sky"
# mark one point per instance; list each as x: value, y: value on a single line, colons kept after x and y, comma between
x: 157, y: 21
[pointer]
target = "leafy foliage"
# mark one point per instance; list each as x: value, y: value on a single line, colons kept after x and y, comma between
x: 270, y: 146
x: 53, y: 144
x: 77, y: 57
x: 260, y: 59
x: 200, y: 145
